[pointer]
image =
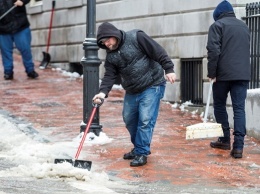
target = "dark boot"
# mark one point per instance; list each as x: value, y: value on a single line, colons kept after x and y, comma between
x: 130, y: 155
x: 220, y: 144
x: 236, y: 153
x: 33, y: 75
x: 139, y: 160
x: 8, y: 76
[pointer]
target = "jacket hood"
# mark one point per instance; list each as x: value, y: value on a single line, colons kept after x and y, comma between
x: 223, y: 7
x: 106, y: 30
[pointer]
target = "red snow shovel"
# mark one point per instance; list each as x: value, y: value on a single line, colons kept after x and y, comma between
x: 82, y: 163
x: 46, y: 56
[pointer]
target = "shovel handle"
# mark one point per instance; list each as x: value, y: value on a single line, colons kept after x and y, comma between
x: 95, y: 105
x: 85, y: 133
x: 50, y: 26
x: 53, y: 4
x: 98, y: 104
x: 2, y: 16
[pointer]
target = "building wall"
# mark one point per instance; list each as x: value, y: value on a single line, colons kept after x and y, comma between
x: 252, y: 113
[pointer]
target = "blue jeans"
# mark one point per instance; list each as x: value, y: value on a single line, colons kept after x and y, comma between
x: 22, y: 41
x: 238, y: 93
x: 140, y: 113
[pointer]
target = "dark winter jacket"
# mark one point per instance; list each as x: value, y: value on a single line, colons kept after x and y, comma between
x: 228, y: 46
x: 14, y: 21
x: 139, y: 60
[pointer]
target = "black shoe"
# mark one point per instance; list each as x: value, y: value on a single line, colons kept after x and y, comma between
x: 220, y: 145
x: 130, y: 155
x: 33, y: 74
x: 139, y: 160
x: 236, y: 153
x: 8, y: 76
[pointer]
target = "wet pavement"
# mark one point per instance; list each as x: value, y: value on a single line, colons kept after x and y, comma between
x: 53, y: 105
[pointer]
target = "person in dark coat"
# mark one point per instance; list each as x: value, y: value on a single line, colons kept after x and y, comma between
x: 14, y: 29
x: 229, y: 66
x: 141, y: 64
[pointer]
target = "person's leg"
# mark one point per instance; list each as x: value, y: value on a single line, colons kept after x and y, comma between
x: 22, y: 41
x: 6, y: 47
x: 130, y: 115
x: 149, y: 102
x: 220, y: 94
x: 238, y: 96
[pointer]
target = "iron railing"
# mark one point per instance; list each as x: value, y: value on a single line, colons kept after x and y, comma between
x: 253, y: 21
x: 192, y: 81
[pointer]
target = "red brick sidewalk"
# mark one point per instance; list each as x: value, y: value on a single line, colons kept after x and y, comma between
x: 53, y: 104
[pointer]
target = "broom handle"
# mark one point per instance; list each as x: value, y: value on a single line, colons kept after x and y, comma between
x: 208, y: 100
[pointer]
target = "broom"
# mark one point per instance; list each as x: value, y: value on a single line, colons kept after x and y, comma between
x: 204, y: 130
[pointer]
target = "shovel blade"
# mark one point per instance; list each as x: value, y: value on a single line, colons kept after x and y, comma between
x: 83, y: 164
x: 56, y: 161
x: 77, y: 163
x: 45, y: 61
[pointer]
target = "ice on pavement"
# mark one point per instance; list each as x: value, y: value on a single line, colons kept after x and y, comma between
x: 35, y: 159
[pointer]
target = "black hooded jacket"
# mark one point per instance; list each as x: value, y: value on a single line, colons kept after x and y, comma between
x: 228, y: 46
x: 14, y: 21
x: 138, y: 60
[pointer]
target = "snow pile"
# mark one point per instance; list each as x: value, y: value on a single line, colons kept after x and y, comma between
x: 35, y: 159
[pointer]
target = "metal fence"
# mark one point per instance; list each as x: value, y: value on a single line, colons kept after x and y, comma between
x: 253, y: 21
x: 192, y: 81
